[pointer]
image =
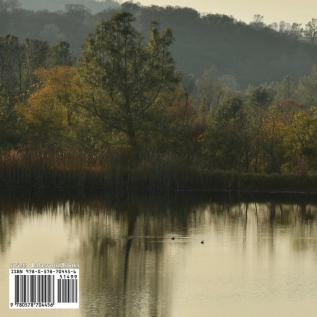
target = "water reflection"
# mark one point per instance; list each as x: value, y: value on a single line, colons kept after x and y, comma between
x: 130, y: 266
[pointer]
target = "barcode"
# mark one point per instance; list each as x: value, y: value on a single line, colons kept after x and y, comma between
x: 67, y: 291
x: 37, y: 289
x: 34, y: 288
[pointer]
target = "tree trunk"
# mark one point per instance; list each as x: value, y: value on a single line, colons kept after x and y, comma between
x: 134, y: 148
x: 132, y: 139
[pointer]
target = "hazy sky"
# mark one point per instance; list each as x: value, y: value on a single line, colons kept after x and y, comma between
x: 273, y: 10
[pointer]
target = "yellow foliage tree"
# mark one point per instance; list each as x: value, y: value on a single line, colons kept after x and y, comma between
x: 48, y: 112
x: 301, y: 142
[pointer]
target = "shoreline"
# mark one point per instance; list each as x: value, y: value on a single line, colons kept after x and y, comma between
x: 167, y: 181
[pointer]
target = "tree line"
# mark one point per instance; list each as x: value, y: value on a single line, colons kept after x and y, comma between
x: 123, y: 104
x: 251, y: 53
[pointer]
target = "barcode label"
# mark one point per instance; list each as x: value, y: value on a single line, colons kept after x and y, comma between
x: 43, y: 289
x: 67, y: 291
x: 34, y: 289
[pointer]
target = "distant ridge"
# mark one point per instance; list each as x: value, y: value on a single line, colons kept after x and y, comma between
x: 56, y: 5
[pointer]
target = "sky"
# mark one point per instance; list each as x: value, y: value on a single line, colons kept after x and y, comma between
x: 272, y: 10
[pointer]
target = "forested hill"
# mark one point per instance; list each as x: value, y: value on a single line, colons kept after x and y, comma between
x: 253, y: 54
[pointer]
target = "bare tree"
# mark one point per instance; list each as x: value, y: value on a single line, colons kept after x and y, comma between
x: 311, y: 30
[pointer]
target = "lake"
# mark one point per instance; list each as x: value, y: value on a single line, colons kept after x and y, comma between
x: 169, y: 257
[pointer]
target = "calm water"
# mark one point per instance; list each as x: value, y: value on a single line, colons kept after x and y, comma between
x: 258, y: 259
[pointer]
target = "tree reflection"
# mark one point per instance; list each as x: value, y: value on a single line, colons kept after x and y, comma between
x: 125, y: 245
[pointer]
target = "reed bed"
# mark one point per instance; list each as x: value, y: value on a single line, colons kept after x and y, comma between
x: 91, y: 173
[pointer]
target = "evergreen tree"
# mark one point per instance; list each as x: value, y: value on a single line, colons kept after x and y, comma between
x: 125, y: 79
